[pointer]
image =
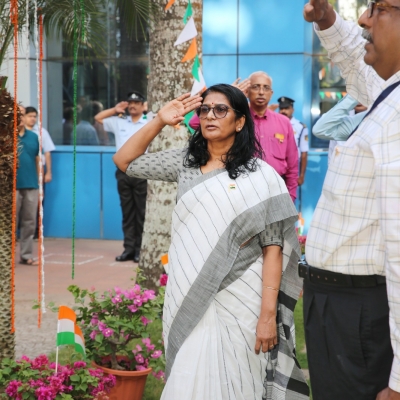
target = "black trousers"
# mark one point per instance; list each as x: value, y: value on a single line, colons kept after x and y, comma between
x: 132, y: 194
x: 348, y: 341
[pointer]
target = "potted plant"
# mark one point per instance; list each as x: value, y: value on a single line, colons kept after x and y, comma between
x: 115, y: 325
x: 37, y: 379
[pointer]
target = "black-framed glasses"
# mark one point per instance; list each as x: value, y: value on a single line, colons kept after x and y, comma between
x: 219, y: 111
x: 374, y: 4
x: 257, y: 88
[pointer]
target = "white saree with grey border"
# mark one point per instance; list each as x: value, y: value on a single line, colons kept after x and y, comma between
x: 213, y: 295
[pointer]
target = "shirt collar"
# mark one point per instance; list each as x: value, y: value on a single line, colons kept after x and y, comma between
x: 255, y: 115
x: 139, y: 121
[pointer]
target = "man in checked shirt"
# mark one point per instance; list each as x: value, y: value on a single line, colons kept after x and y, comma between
x: 352, y: 279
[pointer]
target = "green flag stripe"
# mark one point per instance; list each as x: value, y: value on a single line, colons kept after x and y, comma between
x: 188, y: 13
x: 65, y: 338
x: 195, y: 68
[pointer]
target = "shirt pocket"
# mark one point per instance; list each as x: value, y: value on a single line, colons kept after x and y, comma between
x: 278, y: 147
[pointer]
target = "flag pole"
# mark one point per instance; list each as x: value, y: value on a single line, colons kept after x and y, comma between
x: 58, y: 330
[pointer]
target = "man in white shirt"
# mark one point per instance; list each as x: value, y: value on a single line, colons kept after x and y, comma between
x: 132, y: 191
x: 300, y: 130
x: 352, y: 282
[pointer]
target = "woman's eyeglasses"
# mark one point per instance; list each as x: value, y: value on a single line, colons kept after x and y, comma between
x: 219, y: 110
x: 376, y: 4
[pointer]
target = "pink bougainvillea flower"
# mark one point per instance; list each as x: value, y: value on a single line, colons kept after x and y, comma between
x: 140, y: 368
x: 145, y: 321
x: 163, y: 280
x: 138, y: 301
x: 156, y: 354
x: 102, y: 326
x: 148, y: 295
x: 117, y: 299
x: 147, y: 343
x: 12, y: 388
x: 132, y: 308
x: 93, y: 335
x: 108, y: 332
x: 139, y: 359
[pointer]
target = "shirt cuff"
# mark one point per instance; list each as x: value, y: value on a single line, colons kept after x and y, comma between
x: 332, y: 34
x: 394, y: 381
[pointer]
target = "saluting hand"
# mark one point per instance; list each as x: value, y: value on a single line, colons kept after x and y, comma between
x: 243, y: 86
x: 320, y: 12
x: 121, y: 107
x: 173, y: 112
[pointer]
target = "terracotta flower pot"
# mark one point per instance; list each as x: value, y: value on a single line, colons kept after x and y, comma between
x: 130, y: 384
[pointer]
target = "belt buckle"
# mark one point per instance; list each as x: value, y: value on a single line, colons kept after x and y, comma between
x: 304, y: 266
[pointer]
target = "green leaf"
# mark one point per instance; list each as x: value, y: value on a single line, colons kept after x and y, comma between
x: 75, y: 378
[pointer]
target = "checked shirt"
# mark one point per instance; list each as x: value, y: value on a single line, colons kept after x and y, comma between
x: 356, y: 225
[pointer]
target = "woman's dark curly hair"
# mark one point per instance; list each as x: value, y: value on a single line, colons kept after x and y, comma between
x: 241, y: 157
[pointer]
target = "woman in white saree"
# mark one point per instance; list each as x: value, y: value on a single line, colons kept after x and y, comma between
x: 233, y: 284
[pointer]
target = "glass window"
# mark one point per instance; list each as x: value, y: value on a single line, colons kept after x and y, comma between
x: 102, y: 82
x: 329, y: 87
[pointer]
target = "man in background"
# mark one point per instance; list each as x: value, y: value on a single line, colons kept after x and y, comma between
x: 132, y: 191
x: 274, y: 132
x: 27, y: 189
x: 300, y: 131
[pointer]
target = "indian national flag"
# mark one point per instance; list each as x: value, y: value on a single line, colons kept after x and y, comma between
x: 68, y: 332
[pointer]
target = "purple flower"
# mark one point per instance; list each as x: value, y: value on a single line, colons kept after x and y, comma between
x: 163, y: 280
x: 147, y: 343
x: 117, y: 299
x: 148, y: 295
x: 93, y: 335
x: 156, y: 354
x: 12, y: 388
x: 138, y: 301
x: 117, y: 290
x: 102, y: 326
x: 108, y: 332
x: 140, y: 368
x: 94, y: 321
x: 145, y: 321
x: 159, y: 375
x: 79, y: 364
x: 139, y: 359
x: 132, y: 308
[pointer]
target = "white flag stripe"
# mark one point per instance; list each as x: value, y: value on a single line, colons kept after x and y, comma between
x: 189, y: 32
x: 198, y: 86
x: 66, y: 325
x: 78, y: 340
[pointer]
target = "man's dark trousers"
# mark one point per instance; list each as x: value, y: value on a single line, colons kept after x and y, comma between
x: 132, y: 194
x: 348, y: 341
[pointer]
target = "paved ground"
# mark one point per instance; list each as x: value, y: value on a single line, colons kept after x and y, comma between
x: 95, y: 266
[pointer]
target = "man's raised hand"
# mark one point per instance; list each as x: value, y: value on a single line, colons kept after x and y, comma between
x: 121, y: 107
x: 320, y: 12
x: 173, y: 112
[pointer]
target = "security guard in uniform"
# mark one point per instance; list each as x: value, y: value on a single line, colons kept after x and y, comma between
x: 132, y: 191
x: 300, y: 131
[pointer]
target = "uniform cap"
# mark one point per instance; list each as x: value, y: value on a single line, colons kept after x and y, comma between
x: 285, y: 102
x: 135, y: 96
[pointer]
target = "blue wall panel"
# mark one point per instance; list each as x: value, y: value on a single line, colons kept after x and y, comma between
x: 58, y: 202
x: 220, y: 26
x: 219, y: 69
x: 271, y: 27
x: 311, y: 189
x: 112, y: 216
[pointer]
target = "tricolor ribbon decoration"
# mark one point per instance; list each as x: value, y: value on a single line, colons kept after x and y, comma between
x: 189, y: 33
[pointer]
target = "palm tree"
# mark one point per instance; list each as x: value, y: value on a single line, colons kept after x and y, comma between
x: 168, y: 79
x: 72, y: 19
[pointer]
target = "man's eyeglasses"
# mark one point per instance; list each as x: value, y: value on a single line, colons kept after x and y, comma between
x: 257, y: 88
x: 376, y: 4
x: 219, y: 110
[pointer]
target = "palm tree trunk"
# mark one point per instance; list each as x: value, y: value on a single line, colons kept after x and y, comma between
x: 7, y: 339
x: 169, y: 78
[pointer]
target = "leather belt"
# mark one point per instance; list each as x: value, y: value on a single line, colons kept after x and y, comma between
x: 316, y: 275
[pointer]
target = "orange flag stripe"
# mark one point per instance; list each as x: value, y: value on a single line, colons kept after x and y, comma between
x: 169, y: 5
x: 191, y: 52
x: 164, y: 259
x: 66, y: 313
